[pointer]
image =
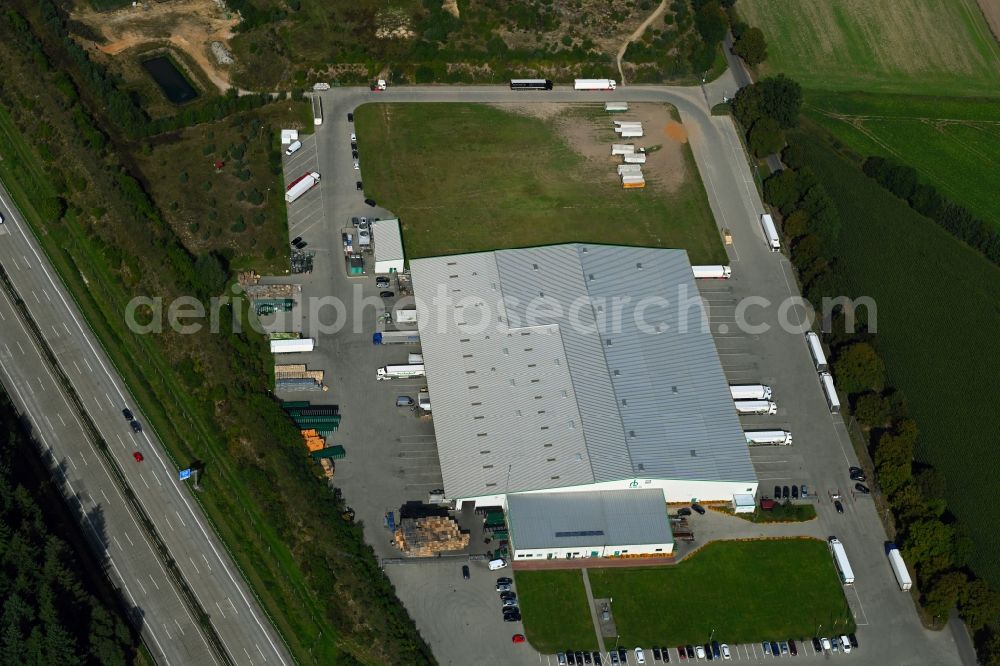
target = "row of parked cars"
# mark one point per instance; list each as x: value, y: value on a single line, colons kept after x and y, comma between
x: 508, y: 601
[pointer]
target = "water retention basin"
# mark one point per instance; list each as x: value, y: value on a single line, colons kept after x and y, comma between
x: 177, y: 88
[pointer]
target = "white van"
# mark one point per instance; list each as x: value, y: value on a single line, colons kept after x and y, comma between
x: 292, y: 147
x: 498, y: 563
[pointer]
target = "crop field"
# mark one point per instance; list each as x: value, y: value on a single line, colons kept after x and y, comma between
x: 925, y: 47
x: 937, y: 322
x: 556, y: 614
x: 467, y: 178
x: 954, y: 144
x: 712, y: 591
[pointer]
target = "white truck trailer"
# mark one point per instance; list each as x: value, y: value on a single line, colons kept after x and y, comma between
x: 768, y: 437
x: 755, y: 407
x: 634, y: 158
x: 630, y: 133
x: 622, y: 149
x: 415, y: 359
x: 629, y: 168
x: 898, y: 567
x: 301, y: 185
x: 408, y: 316
x: 840, y: 559
x: 770, y: 232
x: 292, y: 346
x: 399, y: 372
x: 712, y: 272
x: 395, y: 338
x: 615, y: 107
x: 750, y: 391
x: 317, y: 105
x: 816, y: 351
x: 594, y: 84
x: 830, y: 391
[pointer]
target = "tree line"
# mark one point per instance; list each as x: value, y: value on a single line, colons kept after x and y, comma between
x: 933, y: 542
x: 956, y: 219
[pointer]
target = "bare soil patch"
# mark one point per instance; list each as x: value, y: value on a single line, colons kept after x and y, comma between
x: 189, y: 25
x: 591, y: 136
x: 991, y: 11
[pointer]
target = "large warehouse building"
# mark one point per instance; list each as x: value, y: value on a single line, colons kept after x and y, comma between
x: 576, y: 368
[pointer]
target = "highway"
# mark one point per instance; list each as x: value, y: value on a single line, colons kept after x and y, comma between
x: 239, y: 628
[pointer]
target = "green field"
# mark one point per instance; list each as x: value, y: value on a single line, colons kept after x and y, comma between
x: 466, y: 178
x: 733, y: 587
x: 953, y: 143
x: 937, y: 310
x: 927, y: 47
x: 556, y: 615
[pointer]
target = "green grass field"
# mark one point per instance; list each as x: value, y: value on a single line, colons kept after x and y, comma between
x: 556, y: 616
x: 937, y: 312
x: 733, y: 587
x: 953, y: 143
x: 466, y: 178
x: 926, y: 47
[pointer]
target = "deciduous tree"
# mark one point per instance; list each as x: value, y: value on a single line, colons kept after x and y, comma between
x: 751, y: 46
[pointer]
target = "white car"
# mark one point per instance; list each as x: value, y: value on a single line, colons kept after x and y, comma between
x: 640, y: 658
x: 354, y: 137
x: 826, y: 644
x: 725, y: 652
x: 357, y: 165
x: 699, y: 652
x: 845, y: 642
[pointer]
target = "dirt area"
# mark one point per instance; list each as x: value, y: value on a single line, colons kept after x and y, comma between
x: 991, y: 11
x: 189, y: 25
x: 665, y: 169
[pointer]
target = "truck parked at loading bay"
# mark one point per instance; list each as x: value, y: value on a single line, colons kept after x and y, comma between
x: 395, y: 338
x: 399, y: 372
x: 301, y: 185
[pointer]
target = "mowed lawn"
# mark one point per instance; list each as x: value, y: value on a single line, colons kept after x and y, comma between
x: 466, y: 178
x: 938, y: 316
x: 953, y: 143
x: 555, y: 611
x: 939, y: 47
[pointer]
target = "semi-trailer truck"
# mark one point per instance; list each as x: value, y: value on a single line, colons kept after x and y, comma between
x: 755, y: 407
x: 712, y: 272
x: 399, y: 372
x: 816, y: 351
x: 301, y: 185
x: 770, y: 232
x: 292, y: 345
x: 840, y: 559
x: 634, y: 158
x: 898, y: 567
x: 830, y: 391
x: 768, y: 437
x: 750, y: 391
x: 317, y: 105
x: 530, y: 84
x: 396, y: 338
x: 594, y: 84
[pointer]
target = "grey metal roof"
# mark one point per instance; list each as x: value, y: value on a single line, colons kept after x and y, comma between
x: 592, y: 518
x: 542, y: 378
x: 388, y: 240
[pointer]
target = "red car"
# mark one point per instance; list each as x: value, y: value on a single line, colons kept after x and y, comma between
x: 137, y: 456
x: 518, y: 638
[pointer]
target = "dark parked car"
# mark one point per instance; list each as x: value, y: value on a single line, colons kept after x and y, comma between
x: 699, y: 509
x: 359, y: 186
x: 775, y: 650
x: 587, y: 659
x: 715, y: 650
x: 354, y: 145
x: 579, y: 657
x: 597, y: 659
x: 127, y: 413
x: 370, y: 202
x: 613, y: 656
x: 861, y: 488
x: 684, y: 511
x: 817, y: 645
x: 350, y: 117
x: 571, y: 657
x: 354, y: 154
x: 623, y: 655
x: 766, y: 647
x: 784, y: 492
x: 386, y: 294
x: 795, y: 492
x: 136, y: 426
x: 854, y: 640
x: 708, y: 651
x: 382, y: 282
x: 296, y: 239
x: 512, y: 617
x: 682, y: 653
x: 508, y: 595
x: 791, y: 648
x: 465, y: 572
x: 777, y: 492
x: 857, y: 474
x: 503, y: 580
x: 838, y: 506
x: 301, y: 244
x: 656, y: 654
x: 690, y: 651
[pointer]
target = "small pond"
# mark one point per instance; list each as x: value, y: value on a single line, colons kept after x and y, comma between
x: 177, y: 88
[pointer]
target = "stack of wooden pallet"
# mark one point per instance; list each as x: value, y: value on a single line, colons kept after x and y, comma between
x: 328, y: 467
x: 313, y: 440
x: 423, y: 537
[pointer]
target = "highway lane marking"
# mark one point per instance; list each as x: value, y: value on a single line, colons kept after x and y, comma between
x: 129, y: 539
x: 88, y: 365
x: 142, y: 586
x: 98, y: 404
x: 120, y: 440
x: 167, y: 518
x: 54, y: 331
x: 71, y: 462
x: 28, y: 386
x: 151, y: 580
x: 77, y: 368
x: 61, y: 419
x: 41, y: 384
x: 206, y: 562
x: 19, y: 345
x: 118, y: 543
x: 157, y: 478
x: 168, y: 632
x: 232, y: 605
x: 220, y: 609
x: 37, y: 300
x: 16, y: 265
x: 49, y: 423
x: 110, y: 401
x: 27, y: 264
x: 261, y: 651
x: 105, y: 496
x: 84, y: 459
x: 68, y: 332
x: 143, y: 480
x: 249, y: 658
x: 2, y: 318
x: 180, y: 519
x: 196, y: 569
x: 179, y: 627
x: 9, y: 352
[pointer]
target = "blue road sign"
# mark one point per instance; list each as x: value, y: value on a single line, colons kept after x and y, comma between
x: 184, y: 474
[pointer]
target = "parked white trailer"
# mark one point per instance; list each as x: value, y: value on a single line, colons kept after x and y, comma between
x: 414, y: 359
x: 292, y: 346
x: 629, y: 168
x: 594, y: 84
x: 632, y: 178
x: 399, y: 372
x: 755, y: 407
x: 830, y: 391
x: 768, y: 437
x: 635, y: 158
x: 632, y: 134
x: 750, y: 391
x: 712, y: 272
x: 840, y: 559
x: 406, y: 316
x: 424, y: 400
x: 317, y: 105
x: 898, y: 567
x: 626, y: 123
x: 770, y: 232
x: 301, y: 185
x: 622, y: 149
x: 816, y: 351
x: 615, y: 107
